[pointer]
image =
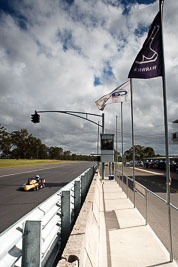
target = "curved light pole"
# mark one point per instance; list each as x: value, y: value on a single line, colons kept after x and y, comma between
x: 81, y: 115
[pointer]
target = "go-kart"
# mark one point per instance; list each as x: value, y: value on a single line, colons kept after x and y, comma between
x: 33, y: 184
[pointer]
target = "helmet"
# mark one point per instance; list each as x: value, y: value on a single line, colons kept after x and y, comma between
x: 37, y: 177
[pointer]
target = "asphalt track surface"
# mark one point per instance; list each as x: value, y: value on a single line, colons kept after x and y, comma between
x: 14, y: 203
x: 155, y: 181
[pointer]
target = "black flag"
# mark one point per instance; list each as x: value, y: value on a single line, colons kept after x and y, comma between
x: 148, y: 63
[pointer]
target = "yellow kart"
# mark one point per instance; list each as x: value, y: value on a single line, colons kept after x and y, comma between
x: 33, y: 184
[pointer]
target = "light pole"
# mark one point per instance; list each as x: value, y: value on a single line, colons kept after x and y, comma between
x: 82, y: 115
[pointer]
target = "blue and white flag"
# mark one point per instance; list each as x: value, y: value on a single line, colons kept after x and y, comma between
x: 120, y: 94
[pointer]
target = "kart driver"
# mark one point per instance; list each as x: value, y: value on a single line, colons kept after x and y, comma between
x: 37, y: 178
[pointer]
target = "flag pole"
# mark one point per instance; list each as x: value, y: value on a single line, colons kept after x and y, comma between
x: 98, y: 139
x: 133, y: 146
x: 103, y: 170
x: 116, y: 158
x: 122, y: 141
x: 168, y: 178
x: 116, y: 140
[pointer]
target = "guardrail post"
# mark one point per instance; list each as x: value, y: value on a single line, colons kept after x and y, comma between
x: 31, y: 244
x: 77, y: 198
x: 90, y: 175
x: 83, y: 187
x: 65, y: 218
x: 87, y: 180
x: 93, y: 170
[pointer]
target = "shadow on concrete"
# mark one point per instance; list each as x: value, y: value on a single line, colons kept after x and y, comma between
x: 160, y: 264
x: 109, y: 264
x: 111, y: 220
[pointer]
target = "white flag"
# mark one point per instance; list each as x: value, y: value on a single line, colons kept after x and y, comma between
x: 120, y: 94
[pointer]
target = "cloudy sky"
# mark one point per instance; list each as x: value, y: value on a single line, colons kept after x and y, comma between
x: 65, y: 54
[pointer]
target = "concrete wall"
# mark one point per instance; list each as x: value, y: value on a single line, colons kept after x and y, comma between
x: 82, y: 248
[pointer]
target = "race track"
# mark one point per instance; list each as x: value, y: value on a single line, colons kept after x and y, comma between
x: 15, y: 203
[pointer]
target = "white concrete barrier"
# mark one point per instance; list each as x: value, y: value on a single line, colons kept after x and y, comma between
x: 82, y: 248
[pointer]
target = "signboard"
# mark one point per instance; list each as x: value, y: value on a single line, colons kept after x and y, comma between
x: 107, y: 147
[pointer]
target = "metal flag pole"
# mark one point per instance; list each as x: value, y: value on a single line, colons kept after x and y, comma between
x: 116, y: 140
x: 133, y: 145
x: 168, y: 178
x: 122, y: 141
x: 98, y: 139
x: 116, y: 157
x: 97, y: 151
x: 103, y: 170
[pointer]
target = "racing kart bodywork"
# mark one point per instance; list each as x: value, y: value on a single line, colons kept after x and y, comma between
x: 33, y: 184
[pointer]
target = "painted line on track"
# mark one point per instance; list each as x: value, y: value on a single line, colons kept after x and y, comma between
x: 27, y: 172
x: 158, y: 173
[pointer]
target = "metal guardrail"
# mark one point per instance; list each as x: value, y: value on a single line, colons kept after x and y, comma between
x: 38, y: 237
x: 143, y: 192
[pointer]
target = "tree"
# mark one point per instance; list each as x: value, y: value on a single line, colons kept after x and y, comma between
x: 19, y: 141
x: 67, y: 155
x: 149, y: 152
x: 5, y: 142
x: 22, y: 145
x: 43, y: 152
x: 32, y: 147
x: 55, y: 152
x: 141, y: 152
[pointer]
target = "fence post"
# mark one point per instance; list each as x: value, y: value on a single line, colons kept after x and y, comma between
x: 127, y: 185
x: 77, y: 198
x: 65, y: 217
x: 146, y: 199
x: 31, y: 244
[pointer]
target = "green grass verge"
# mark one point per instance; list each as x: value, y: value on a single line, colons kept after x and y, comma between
x: 9, y: 163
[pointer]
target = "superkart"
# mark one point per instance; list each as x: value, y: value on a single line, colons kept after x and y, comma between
x: 33, y: 184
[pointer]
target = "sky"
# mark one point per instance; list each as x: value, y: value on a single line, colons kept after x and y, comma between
x: 66, y: 54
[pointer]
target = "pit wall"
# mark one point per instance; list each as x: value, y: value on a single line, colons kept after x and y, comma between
x: 82, y: 248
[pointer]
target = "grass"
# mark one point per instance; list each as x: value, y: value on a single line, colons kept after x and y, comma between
x: 10, y: 163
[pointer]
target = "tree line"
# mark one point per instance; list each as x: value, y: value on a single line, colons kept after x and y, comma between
x: 22, y: 145
x: 141, y: 152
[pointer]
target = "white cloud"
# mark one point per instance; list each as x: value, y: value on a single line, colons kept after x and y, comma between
x: 52, y: 63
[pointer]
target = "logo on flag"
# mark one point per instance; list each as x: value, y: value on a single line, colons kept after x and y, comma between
x: 148, y: 63
x: 120, y: 94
